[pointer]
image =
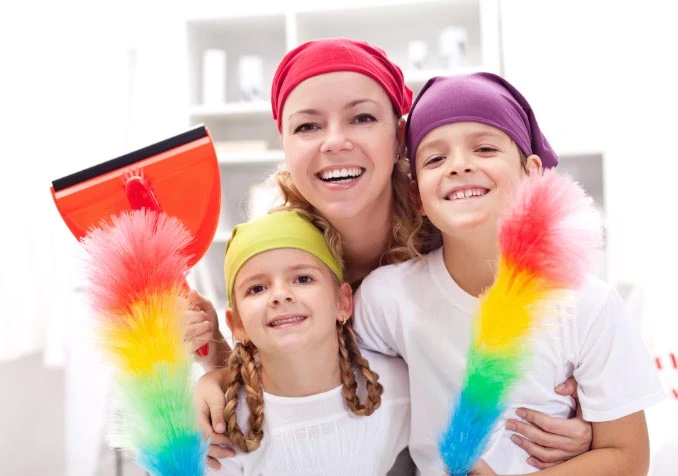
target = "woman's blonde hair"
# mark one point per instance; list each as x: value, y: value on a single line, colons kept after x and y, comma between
x: 412, y: 235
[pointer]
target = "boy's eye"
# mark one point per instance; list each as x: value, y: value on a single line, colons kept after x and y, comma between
x: 360, y: 118
x: 433, y: 160
x: 304, y: 279
x: 306, y: 127
x: 256, y: 289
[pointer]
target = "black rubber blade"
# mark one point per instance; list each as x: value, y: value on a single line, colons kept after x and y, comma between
x: 131, y: 158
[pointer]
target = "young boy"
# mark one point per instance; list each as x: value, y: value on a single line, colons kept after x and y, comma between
x: 471, y: 140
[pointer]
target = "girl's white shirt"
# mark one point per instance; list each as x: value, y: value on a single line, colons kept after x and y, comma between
x: 318, y: 434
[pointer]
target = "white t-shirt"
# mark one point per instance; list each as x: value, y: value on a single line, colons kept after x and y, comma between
x: 319, y: 436
x: 416, y: 310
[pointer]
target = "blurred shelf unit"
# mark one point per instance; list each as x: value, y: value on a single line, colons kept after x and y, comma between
x: 587, y: 167
x: 233, y: 54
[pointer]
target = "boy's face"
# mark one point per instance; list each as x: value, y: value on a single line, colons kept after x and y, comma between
x: 467, y: 173
x: 288, y: 300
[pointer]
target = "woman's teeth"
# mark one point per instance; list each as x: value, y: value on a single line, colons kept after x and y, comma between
x: 339, y: 175
x: 469, y: 192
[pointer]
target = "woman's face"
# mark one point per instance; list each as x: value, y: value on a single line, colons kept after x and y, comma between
x: 340, y: 138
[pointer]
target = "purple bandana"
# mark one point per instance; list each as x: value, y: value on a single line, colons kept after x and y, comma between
x: 479, y: 97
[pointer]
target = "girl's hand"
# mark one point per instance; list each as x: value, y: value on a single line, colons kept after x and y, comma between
x: 202, y: 327
x: 548, y: 440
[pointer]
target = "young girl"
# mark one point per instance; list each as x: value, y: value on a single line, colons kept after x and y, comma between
x: 471, y: 140
x: 301, y: 398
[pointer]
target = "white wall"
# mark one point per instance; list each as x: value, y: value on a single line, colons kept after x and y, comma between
x: 63, y: 93
x: 32, y: 418
x: 602, y: 75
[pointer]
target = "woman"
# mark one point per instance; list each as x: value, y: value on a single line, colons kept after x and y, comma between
x: 339, y: 104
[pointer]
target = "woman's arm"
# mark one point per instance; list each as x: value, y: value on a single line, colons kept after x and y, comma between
x: 548, y: 440
x: 210, y: 402
x: 620, y: 446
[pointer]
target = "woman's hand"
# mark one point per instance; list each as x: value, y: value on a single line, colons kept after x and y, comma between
x: 210, y: 402
x: 481, y: 468
x: 548, y: 440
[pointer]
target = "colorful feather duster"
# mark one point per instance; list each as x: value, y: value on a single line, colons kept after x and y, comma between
x: 136, y: 275
x: 547, y: 244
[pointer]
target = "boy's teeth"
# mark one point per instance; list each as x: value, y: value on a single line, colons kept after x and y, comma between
x: 341, y: 174
x: 469, y: 192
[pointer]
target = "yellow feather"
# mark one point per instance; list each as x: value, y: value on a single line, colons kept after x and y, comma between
x: 151, y: 333
x: 507, y: 310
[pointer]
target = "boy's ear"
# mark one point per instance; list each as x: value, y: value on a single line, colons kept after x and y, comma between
x: 344, y: 302
x: 235, y: 324
x: 533, y: 165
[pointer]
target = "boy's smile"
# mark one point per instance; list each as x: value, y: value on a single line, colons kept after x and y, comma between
x: 466, y: 192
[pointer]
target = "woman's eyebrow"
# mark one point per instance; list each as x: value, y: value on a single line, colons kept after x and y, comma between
x: 310, y: 112
x: 357, y: 102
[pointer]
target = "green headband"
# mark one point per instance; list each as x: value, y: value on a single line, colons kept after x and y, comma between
x: 283, y: 229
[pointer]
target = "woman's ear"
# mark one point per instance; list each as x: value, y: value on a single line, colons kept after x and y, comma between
x: 533, y: 165
x: 344, y: 302
x: 235, y: 324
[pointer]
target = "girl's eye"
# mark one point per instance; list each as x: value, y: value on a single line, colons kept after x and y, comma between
x: 360, y: 118
x: 306, y: 127
x: 304, y: 279
x: 486, y: 149
x: 256, y: 289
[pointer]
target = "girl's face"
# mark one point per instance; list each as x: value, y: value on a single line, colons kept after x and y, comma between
x: 288, y: 300
x: 467, y: 173
x: 340, y: 138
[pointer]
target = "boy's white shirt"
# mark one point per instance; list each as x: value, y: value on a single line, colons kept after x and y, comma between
x: 319, y: 436
x: 416, y: 310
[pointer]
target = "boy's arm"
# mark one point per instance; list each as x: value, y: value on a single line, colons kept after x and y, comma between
x: 617, y: 381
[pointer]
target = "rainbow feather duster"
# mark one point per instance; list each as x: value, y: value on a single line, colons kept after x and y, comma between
x: 136, y: 275
x: 547, y: 244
